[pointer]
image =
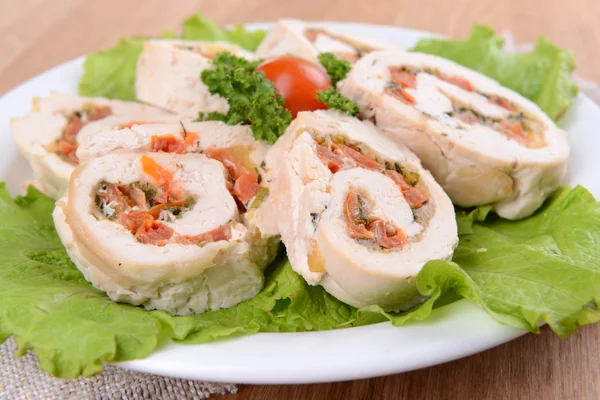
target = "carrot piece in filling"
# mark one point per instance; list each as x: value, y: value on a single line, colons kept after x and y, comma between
x: 414, y: 197
x: 246, y: 187
x: 403, y: 77
x: 356, y: 217
x: 360, y: 159
x: 134, y: 219
x: 113, y: 195
x: 167, y: 143
x: 246, y: 184
x: 154, y: 232
x: 502, y: 102
x: 67, y: 144
x: 95, y: 112
x: 400, y: 94
x: 232, y: 164
x: 361, y: 226
x: 130, y: 124
x: 69, y: 150
x: 457, y: 81
x: 222, y: 232
x: 158, y: 173
x: 189, y: 138
x: 333, y: 161
x: 155, y: 211
x: 513, y: 130
x: 388, y: 236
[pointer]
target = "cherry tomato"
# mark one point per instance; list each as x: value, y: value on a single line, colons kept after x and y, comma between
x: 297, y: 80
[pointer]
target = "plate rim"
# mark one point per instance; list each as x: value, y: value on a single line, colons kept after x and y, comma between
x: 155, y: 363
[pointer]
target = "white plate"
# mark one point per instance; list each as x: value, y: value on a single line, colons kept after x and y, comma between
x: 451, y: 332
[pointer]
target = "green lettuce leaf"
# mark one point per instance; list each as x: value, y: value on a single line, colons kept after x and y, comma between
x: 542, y: 75
x: 111, y: 72
x: 544, y: 268
x: 52, y: 310
x: 199, y: 27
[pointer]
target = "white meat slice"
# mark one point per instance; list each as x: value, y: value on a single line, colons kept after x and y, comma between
x: 179, y: 278
x: 475, y: 163
x: 289, y: 36
x: 168, y: 75
x: 36, y: 133
x: 237, y: 139
x: 308, y: 200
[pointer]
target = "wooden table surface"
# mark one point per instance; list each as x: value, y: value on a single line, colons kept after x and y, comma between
x: 38, y: 34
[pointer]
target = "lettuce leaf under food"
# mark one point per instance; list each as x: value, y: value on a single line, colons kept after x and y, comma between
x: 544, y: 268
x: 52, y: 310
x: 543, y: 75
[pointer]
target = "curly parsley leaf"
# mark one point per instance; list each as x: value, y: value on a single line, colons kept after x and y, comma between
x: 334, y: 99
x: 336, y: 68
x: 251, y: 96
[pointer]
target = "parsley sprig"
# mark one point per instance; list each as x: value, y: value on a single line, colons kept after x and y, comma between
x: 334, y: 99
x: 251, y: 96
x: 336, y: 68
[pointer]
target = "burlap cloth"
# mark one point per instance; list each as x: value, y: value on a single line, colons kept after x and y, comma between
x: 21, y: 379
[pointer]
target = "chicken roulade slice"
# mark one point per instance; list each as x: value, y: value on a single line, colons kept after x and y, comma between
x: 49, y: 136
x: 168, y: 75
x: 484, y: 143
x: 295, y: 37
x: 234, y: 146
x: 357, y: 213
x: 158, y: 230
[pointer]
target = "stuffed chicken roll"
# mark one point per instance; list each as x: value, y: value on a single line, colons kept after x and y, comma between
x: 168, y: 75
x: 158, y: 230
x: 484, y: 143
x: 233, y: 146
x: 49, y: 136
x: 357, y: 213
x: 296, y: 37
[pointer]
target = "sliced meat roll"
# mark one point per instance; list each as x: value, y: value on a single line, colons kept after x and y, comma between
x: 484, y: 143
x: 295, y: 37
x: 49, y: 136
x: 233, y: 146
x: 357, y: 213
x: 158, y: 230
x: 168, y: 75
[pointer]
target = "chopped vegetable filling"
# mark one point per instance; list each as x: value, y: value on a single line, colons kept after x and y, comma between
x: 67, y: 143
x: 339, y: 156
x: 246, y: 184
x: 524, y: 129
x: 362, y: 226
x: 144, y: 209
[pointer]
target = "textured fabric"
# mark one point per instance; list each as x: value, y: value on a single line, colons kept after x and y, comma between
x: 21, y: 379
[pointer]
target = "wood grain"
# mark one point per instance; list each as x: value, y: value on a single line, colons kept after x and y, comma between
x: 531, y: 367
x: 38, y: 34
